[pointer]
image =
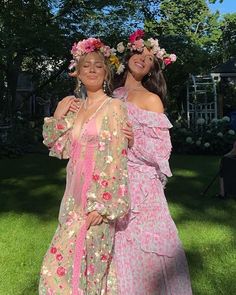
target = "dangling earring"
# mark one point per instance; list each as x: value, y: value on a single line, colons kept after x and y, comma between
x: 77, y: 89
x: 149, y: 74
x: 104, y: 86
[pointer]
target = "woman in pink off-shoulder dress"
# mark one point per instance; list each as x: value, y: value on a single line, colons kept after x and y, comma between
x: 149, y: 258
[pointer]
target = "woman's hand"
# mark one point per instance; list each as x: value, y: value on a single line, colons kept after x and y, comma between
x: 93, y: 218
x: 63, y: 106
x: 128, y: 131
x: 75, y: 105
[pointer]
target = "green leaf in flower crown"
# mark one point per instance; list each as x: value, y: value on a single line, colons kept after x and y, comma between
x: 148, y: 44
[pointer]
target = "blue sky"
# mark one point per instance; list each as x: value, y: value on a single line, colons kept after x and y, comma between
x: 228, y: 6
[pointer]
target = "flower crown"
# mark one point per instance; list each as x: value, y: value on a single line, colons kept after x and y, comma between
x: 91, y: 45
x: 137, y: 44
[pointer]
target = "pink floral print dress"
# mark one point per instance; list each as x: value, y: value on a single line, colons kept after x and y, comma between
x: 149, y: 258
x: 78, y: 260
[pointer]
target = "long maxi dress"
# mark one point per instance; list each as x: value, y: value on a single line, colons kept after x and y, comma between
x: 77, y: 261
x: 149, y: 258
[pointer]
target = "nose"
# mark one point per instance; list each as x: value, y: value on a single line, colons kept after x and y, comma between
x: 142, y: 57
x: 92, y: 68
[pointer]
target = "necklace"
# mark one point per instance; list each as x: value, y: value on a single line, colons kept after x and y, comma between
x: 87, y: 107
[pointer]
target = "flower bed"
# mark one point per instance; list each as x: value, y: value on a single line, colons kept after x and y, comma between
x: 217, y: 137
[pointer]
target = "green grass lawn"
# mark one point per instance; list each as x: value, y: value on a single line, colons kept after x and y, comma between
x: 31, y: 189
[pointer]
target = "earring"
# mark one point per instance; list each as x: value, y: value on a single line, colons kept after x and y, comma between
x: 149, y: 74
x: 104, y: 86
x: 77, y: 89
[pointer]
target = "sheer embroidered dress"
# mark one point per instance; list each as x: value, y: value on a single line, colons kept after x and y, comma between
x: 78, y: 260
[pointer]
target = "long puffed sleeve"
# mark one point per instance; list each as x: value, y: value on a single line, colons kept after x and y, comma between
x: 57, y: 137
x: 152, y: 143
x: 108, y: 193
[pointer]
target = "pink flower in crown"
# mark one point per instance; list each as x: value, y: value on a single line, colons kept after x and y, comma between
x: 167, y: 61
x: 136, y: 35
x: 106, y: 51
x: 74, y: 49
x: 160, y: 54
x: 61, y: 271
x: 173, y: 57
x: 138, y: 45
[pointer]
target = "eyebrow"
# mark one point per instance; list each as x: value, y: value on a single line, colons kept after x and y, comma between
x: 97, y: 62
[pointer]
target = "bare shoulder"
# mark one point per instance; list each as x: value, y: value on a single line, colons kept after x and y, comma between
x: 153, y: 103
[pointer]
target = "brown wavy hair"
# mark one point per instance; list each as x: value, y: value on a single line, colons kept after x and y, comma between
x: 154, y: 81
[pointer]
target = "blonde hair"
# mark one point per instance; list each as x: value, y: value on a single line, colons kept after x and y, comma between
x: 108, y: 73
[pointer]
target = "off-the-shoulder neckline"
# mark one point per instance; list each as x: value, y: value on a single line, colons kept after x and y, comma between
x: 143, y: 110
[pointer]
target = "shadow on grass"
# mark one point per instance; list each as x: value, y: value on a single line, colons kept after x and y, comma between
x: 32, y: 184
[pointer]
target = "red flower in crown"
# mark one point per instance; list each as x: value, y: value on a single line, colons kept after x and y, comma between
x: 136, y: 36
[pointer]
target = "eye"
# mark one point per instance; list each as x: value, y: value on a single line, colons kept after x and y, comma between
x: 99, y: 65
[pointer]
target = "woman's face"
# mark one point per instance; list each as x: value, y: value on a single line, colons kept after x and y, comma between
x: 92, y: 71
x: 141, y: 64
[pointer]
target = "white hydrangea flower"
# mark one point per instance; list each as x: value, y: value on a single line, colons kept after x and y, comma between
x: 220, y: 134
x: 198, y: 142
x: 214, y: 121
x: 226, y: 119
x: 200, y: 121
x: 189, y: 139
x: 231, y: 132
x: 206, y: 144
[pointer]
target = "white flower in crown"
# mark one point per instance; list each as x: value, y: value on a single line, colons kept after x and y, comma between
x: 120, y: 69
x: 120, y: 47
x: 161, y: 53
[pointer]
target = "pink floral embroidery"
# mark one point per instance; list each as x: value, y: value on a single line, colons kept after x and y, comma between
x: 124, y: 152
x: 101, y: 146
x: 60, y: 127
x: 90, y: 270
x: 61, y: 271
x: 59, y: 257
x: 104, y: 257
x: 106, y: 196
x: 122, y: 190
x: 104, y: 183
x: 53, y: 250
x: 95, y: 177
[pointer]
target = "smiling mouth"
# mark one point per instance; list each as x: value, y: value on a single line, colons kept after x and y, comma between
x: 139, y: 65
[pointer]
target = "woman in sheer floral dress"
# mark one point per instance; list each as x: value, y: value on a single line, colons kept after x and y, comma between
x: 96, y: 195
x: 149, y: 258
